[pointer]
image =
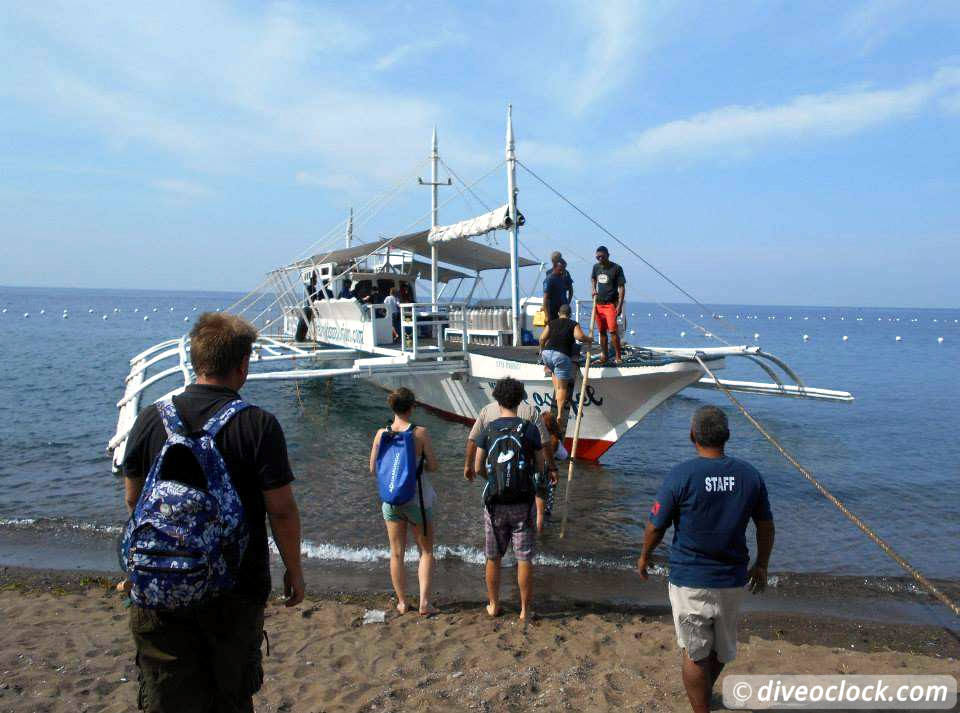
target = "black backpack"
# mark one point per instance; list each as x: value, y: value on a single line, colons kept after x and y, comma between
x: 510, y: 465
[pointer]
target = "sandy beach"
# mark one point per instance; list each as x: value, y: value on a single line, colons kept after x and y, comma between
x: 64, y: 646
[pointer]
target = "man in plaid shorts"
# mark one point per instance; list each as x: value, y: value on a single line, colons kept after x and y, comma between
x: 513, y: 522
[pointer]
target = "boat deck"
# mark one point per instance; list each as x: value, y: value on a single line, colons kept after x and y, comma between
x: 632, y: 356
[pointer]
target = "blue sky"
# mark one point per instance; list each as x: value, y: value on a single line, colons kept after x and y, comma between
x: 771, y: 153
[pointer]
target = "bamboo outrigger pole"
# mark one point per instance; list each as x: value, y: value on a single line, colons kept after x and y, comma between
x: 576, y: 427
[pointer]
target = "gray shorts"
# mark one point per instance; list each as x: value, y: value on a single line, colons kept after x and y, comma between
x: 510, y: 524
x: 706, y: 620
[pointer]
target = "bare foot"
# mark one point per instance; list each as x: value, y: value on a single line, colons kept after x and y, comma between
x: 493, y: 610
x: 428, y: 610
x: 403, y: 607
x: 526, y: 615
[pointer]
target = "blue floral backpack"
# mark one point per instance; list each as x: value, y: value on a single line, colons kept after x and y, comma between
x: 183, y: 545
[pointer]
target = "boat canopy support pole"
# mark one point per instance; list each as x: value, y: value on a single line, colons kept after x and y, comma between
x: 512, y: 207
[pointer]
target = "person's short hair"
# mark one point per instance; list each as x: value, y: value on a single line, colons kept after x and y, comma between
x: 602, y: 249
x: 563, y: 310
x: 509, y: 392
x: 219, y: 342
x: 556, y: 256
x: 709, y: 427
x: 401, y: 400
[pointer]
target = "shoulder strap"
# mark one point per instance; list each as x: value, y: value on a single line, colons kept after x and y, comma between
x: 171, y: 419
x: 221, y: 417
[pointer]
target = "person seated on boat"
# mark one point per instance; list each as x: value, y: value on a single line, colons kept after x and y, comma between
x: 556, y: 352
x: 399, y: 517
x: 709, y: 501
x: 557, y: 289
x: 345, y: 292
x: 512, y: 506
x: 609, y: 287
x: 393, y: 307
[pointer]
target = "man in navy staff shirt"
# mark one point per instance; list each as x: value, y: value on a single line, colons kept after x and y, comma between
x: 709, y: 501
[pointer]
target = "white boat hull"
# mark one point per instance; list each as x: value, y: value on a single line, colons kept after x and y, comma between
x: 617, y: 398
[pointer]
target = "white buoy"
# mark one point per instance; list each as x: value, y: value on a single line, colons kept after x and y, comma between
x: 633, y: 314
x: 899, y: 339
x: 4, y: 310
x: 806, y: 337
x: 146, y: 318
x: 683, y: 334
x: 171, y: 309
x: 104, y: 318
x: 708, y: 334
x: 26, y: 315
x: 756, y: 335
x: 154, y: 309
x: 632, y: 332
x: 116, y: 310
x: 845, y: 337
x: 187, y: 319
x: 90, y: 311
x: 136, y: 309
x: 63, y: 316
x: 43, y: 312
x: 939, y: 340
x: 194, y: 309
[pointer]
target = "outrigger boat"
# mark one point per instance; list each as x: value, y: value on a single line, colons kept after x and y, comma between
x: 332, y: 323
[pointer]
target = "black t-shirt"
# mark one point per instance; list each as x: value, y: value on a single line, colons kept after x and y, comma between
x: 530, y: 439
x: 254, y: 450
x: 560, y: 335
x: 608, y: 280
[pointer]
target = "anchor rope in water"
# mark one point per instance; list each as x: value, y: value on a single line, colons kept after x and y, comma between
x: 864, y: 527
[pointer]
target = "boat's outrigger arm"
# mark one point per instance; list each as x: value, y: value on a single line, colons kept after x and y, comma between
x: 763, y: 359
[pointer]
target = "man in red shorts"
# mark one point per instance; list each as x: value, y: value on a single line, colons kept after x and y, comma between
x: 609, y: 287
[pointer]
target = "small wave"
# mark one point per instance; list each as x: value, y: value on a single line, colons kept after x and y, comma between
x: 326, y: 551
x: 53, y: 524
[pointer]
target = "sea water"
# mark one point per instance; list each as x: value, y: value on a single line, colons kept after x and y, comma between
x: 892, y: 456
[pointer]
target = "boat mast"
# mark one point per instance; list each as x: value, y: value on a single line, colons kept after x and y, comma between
x: 350, y: 229
x: 434, y: 158
x: 433, y: 183
x: 512, y: 208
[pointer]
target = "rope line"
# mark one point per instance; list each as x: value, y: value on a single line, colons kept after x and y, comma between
x: 866, y: 529
x: 633, y: 252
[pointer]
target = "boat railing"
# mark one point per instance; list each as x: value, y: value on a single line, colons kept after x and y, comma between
x: 424, y: 326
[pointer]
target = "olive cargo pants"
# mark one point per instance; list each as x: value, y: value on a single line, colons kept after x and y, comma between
x: 205, y: 659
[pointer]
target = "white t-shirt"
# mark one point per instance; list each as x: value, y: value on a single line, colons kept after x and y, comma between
x: 391, y: 303
x: 491, y: 412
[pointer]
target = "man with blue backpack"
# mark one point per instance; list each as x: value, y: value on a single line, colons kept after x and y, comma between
x: 511, y: 455
x: 203, y: 471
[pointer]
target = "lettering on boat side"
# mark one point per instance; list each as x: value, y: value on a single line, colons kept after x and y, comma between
x: 335, y: 332
x: 501, y: 364
x: 548, y: 400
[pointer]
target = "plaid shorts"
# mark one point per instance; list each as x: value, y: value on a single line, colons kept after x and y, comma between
x: 510, y: 524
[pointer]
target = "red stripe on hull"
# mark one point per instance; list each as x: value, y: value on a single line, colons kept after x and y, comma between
x: 588, y: 448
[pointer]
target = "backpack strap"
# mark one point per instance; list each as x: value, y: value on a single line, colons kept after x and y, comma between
x: 220, y: 418
x: 172, y: 422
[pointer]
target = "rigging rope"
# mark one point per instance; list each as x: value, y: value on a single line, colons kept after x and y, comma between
x: 866, y: 529
x: 633, y: 252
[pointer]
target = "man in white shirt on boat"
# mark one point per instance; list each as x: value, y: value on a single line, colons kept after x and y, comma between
x: 393, y: 308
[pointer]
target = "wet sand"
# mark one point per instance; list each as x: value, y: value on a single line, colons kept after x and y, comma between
x: 64, y: 646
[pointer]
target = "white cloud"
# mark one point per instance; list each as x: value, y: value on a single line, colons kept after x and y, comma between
x: 184, y: 189
x: 738, y: 129
x: 873, y: 23
x: 410, y: 50
x: 614, y: 32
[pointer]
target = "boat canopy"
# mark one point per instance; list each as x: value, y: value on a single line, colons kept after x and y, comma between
x: 464, y: 254
x: 498, y: 219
